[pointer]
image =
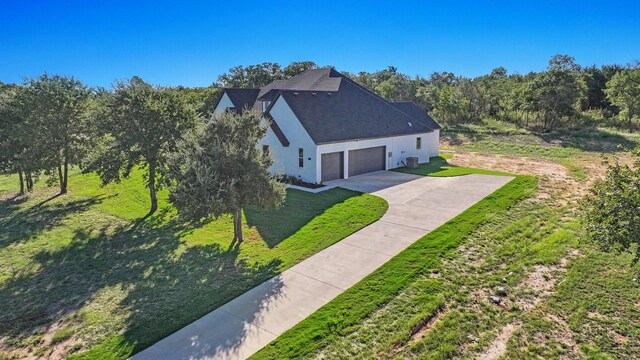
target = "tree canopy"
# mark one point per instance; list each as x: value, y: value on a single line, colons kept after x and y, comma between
x: 221, y: 170
x: 612, y: 209
x: 140, y: 125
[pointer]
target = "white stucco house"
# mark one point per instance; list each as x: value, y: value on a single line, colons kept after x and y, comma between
x: 324, y: 126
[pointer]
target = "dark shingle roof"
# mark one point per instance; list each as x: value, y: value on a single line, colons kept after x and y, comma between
x: 350, y: 113
x: 324, y: 79
x: 334, y: 108
x: 416, y: 112
x: 242, y: 98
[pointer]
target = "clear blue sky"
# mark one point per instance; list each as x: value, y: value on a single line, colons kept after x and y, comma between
x: 191, y: 42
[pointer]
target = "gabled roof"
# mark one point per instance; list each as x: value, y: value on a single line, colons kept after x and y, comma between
x: 416, y: 112
x: 324, y: 79
x: 349, y: 114
x: 241, y: 98
x: 334, y: 108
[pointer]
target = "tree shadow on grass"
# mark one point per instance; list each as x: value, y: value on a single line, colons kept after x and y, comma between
x: 590, y: 139
x: 299, y: 208
x: 20, y: 224
x: 166, y: 286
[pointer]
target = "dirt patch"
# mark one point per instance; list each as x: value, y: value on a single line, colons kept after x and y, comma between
x: 424, y: 326
x: 564, y: 336
x: 499, y: 345
x: 539, y: 283
x: 555, y: 179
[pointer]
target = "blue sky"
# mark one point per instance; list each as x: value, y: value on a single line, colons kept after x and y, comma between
x: 191, y: 42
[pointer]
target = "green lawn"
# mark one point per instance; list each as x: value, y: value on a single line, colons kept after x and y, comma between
x: 348, y: 312
x: 439, y: 167
x: 88, y: 270
x: 8, y: 183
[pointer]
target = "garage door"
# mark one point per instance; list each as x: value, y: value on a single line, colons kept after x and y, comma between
x: 332, y: 166
x: 366, y: 160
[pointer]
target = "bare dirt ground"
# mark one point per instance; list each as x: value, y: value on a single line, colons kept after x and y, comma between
x: 555, y: 179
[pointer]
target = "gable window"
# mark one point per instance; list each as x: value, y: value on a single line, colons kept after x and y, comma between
x: 418, y: 143
x: 265, y: 150
x: 300, y: 157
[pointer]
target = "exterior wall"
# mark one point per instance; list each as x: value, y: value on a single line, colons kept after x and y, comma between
x: 286, y: 158
x: 224, y: 103
x: 401, y: 147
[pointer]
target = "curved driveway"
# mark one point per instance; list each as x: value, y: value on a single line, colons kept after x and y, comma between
x: 243, y: 326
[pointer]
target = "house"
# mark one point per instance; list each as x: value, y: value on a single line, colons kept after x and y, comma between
x: 324, y: 126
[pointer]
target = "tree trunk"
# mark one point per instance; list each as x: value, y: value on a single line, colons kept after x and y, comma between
x: 152, y: 188
x: 21, y: 182
x: 237, y: 225
x: 61, y: 180
x: 65, y: 175
x: 29, y: 180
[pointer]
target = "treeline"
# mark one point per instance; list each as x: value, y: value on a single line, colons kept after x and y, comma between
x: 564, y: 95
x: 51, y: 123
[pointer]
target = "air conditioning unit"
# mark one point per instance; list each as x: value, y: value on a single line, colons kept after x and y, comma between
x: 412, y: 162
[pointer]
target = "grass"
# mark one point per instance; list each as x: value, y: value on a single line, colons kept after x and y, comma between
x: 439, y: 167
x: 564, y: 297
x: 570, y: 148
x: 91, y: 263
x: 345, y: 314
x: 599, y: 304
x: 8, y: 183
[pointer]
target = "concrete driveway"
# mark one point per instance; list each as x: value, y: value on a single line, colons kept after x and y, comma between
x: 243, y: 326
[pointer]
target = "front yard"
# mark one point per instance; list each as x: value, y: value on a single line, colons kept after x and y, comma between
x: 87, y: 270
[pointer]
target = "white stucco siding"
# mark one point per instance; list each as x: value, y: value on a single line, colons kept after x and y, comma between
x: 433, y: 143
x: 224, y: 103
x: 286, y: 158
x: 400, y: 148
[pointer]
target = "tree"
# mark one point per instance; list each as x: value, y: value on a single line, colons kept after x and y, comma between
x: 612, y: 209
x: 252, y: 76
x: 15, y: 142
x: 297, y: 67
x: 55, y: 108
x: 140, y: 125
x: 221, y: 170
x: 623, y: 90
x: 203, y: 99
x: 556, y: 92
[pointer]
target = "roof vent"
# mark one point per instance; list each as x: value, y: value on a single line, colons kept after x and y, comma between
x: 295, y: 94
x: 314, y: 94
x: 409, y: 124
x: 328, y: 94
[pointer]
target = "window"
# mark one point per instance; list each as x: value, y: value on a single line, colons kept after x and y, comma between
x: 418, y: 143
x: 265, y: 150
x: 300, y: 157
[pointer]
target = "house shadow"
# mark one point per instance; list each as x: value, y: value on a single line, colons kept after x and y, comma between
x: 299, y: 208
x: 164, y: 285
